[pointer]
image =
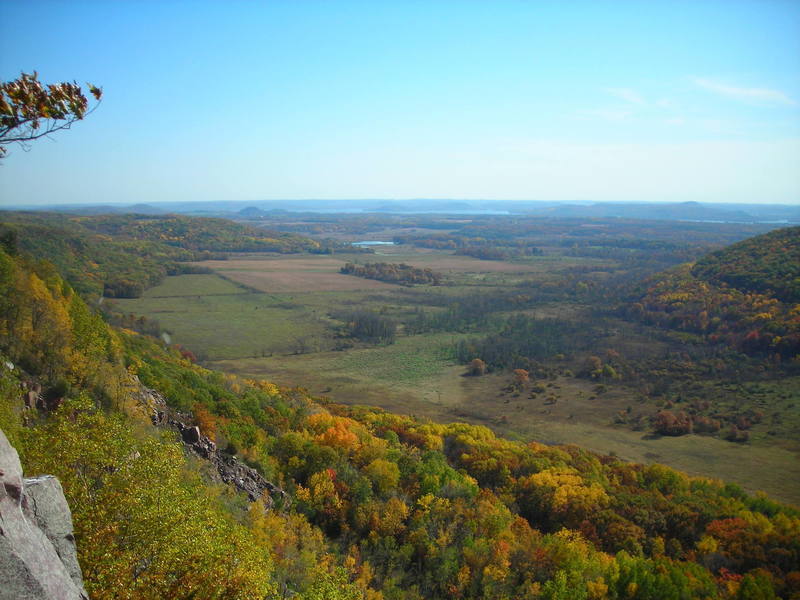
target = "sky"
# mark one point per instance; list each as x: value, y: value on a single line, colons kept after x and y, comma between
x: 625, y: 100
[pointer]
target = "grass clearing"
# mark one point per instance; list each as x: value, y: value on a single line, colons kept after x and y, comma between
x: 217, y: 326
x: 194, y: 285
x: 291, y: 275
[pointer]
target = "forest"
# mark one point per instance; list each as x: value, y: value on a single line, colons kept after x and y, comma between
x: 386, y: 505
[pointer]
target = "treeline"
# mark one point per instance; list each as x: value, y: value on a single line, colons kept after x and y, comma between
x: 95, y: 265
x: 477, y: 247
x: 476, y: 311
x: 463, y: 314
x: 488, y: 252
x: 393, y: 273
x: 521, y: 341
x: 196, y: 233
x: 383, y: 506
x: 520, y: 228
x: 367, y: 326
x: 649, y: 254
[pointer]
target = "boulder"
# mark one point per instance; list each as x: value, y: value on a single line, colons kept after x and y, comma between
x: 37, y: 549
x: 191, y: 435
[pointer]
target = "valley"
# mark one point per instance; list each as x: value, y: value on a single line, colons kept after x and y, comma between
x: 409, y: 407
x: 269, y: 317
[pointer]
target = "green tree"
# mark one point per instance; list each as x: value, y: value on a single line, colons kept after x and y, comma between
x: 333, y: 587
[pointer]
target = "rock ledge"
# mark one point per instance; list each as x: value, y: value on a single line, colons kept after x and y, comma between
x: 38, y: 555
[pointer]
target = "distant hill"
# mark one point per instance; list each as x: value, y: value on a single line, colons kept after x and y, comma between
x: 144, y: 209
x: 108, y: 209
x: 576, y: 209
x: 251, y: 212
x: 745, y: 296
x: 411, y: 206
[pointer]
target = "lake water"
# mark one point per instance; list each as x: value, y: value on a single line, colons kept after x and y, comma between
x: 372, y: 243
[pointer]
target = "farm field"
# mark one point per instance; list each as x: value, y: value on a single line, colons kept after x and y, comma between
x: 269, y: 317
x: 282, y: 275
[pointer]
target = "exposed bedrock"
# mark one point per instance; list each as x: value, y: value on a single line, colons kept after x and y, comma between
x: 38, y: 555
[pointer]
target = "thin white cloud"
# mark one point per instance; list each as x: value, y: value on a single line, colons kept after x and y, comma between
x: 626, y: 94
x: 762, y: 95
x: 606, y: 115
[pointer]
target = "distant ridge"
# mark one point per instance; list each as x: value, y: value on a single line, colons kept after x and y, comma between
x: 574, y: 209
x: 684, y: 211
x: 145, y: 209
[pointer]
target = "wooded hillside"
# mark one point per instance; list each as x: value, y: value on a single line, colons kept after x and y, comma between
x: 768, y: 264
x: 744, y: 296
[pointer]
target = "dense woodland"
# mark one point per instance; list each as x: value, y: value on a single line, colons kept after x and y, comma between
x: 768, y: 264
x: 382, y: 506
x: 393, y: 273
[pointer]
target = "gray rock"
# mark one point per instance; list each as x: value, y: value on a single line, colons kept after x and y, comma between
x: 47, y: 505
x: 30, y: 565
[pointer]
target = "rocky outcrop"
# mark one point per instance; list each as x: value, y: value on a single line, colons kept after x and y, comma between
x: 248, y: 480
x: 229, y: 469
x: 38, y: 556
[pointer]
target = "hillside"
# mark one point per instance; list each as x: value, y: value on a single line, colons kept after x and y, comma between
x: 744, y: 296
x: 768, y: 264
x: 381, y: 505
x: 119, y: 256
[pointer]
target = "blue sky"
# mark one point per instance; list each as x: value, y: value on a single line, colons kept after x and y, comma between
x: 624, y: 100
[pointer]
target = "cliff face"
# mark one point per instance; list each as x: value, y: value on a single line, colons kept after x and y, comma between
x: 38, y: 556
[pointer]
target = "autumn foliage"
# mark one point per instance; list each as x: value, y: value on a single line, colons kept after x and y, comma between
x: 744, y: 297
x: 30, y: 110
x: 383, y: 505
